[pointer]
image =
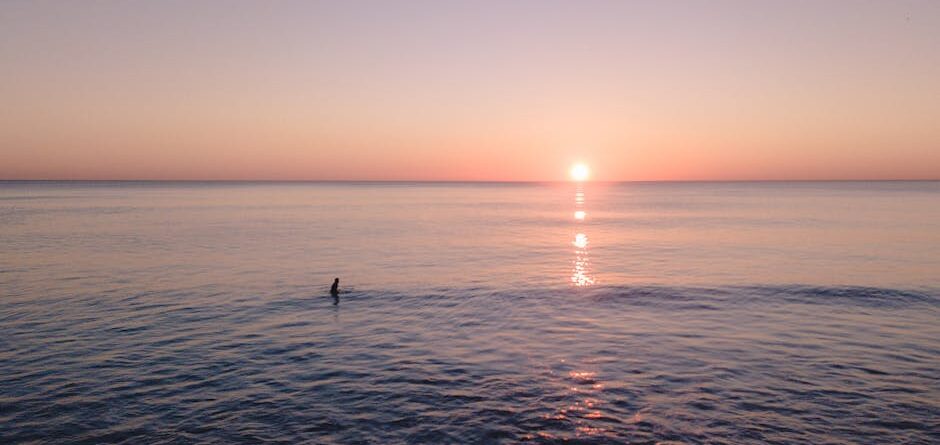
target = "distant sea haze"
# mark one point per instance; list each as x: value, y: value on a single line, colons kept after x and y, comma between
x: 731, y: 312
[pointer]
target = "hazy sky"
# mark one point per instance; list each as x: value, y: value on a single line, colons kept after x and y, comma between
x: 502, y: 90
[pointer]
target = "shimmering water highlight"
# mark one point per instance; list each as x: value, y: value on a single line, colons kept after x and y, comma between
x: 723, y: 313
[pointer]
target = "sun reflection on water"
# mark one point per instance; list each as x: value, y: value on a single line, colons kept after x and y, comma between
x: 583, y: 407
x: 581, y: 274
x: 580, y: 241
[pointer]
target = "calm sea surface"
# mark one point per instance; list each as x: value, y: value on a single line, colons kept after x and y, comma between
x: 724, y: 313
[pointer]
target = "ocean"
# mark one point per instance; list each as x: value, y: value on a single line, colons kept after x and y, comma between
x: 595, y: 313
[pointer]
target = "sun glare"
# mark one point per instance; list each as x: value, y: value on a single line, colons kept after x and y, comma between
x: 580, y: 172
x: 580, y: 241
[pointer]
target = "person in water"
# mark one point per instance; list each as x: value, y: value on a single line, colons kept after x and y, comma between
x: 334, y: 290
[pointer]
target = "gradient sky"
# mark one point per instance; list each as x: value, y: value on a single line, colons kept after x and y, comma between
x: 445, y: 90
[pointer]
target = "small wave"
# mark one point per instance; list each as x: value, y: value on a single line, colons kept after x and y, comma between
x: 703, y: 298
x: 608, y: 364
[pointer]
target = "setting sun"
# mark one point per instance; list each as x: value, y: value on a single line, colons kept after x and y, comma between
x: 580, y: 172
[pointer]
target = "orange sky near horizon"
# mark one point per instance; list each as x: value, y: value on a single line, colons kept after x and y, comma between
x: 507, y: 91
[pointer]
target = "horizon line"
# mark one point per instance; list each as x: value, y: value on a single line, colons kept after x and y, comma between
x: 466, y: 181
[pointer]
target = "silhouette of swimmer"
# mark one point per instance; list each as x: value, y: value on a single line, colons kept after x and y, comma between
x: 334, y: 290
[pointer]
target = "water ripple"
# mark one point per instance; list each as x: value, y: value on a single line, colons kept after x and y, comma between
x: 781, y: 364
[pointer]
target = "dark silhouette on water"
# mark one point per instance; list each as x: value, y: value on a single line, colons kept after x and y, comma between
x: 334, y: 290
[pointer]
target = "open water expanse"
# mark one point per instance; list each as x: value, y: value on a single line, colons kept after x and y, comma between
x: 692, y: 313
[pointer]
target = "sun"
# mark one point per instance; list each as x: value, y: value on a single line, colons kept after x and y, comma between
x: 580, y: 172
